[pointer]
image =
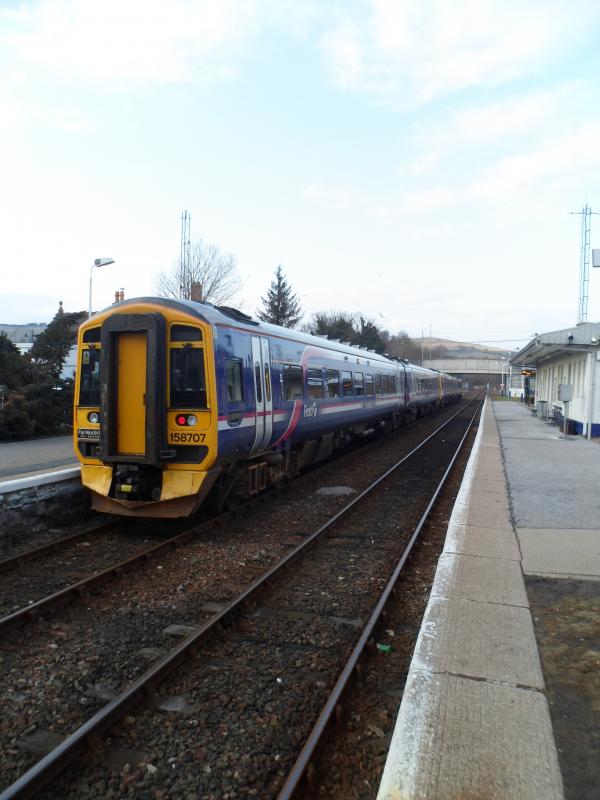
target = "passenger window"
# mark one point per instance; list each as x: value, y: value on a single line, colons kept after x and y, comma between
x: 385, y: 384
x: 377, y: 384
x: 92, y: 335
x: 346, y: 384
x: 314, y: 379
x: 233, y: 378
x: 258, y: 382
x: 332, y: 376
x: 369, y: 384
x: 359, y: 383
x: 393, y: 384
x: 268, y: 383
x: 89, y: 386
x: 293, y: 385
x: 187, y: 380
x: 185, y: 333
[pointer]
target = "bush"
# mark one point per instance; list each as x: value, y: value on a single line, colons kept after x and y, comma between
x: 15, y: 422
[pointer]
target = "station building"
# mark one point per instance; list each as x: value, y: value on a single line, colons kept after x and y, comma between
x: 567, y: 365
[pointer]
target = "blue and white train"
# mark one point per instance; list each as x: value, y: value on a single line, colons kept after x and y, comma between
x: 177, y: 400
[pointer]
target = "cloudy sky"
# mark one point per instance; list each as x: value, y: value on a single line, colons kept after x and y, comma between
x: 413, y: 159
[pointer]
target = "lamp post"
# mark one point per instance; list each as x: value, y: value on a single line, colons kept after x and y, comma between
x: 502, y: 384
x: 98, y: 262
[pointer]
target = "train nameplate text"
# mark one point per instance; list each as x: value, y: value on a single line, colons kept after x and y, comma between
x: 88, y: 434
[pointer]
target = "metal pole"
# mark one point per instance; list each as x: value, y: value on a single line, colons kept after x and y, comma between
x: 90, y: 305
x: 591, y: 401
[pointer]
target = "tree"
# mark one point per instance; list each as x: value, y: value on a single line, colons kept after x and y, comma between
x: 12, y: 364
x: 52, y: 346
x: 402, y: 346
x: 347, y: 327
x: 335, y: 324
x: 281, y: 306
x: 206, y: 265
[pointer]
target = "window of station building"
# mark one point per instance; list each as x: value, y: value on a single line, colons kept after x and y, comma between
x: 187, y: 378
x: 89, y: 384
x: 314, y: 379
x: 385, y: 384
x: 377, y: 384
x: 293, y: 385
x: 346, y: 384
x: 359, y: 383
x: 332, y: 378
x: 185, y: 333
x: 233, y: 379
x: 369, y: 386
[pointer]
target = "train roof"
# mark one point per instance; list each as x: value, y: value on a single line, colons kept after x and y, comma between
x: 224, y: 315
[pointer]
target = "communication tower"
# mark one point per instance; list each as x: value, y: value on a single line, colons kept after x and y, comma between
x: 184, y: 260
x: 584, y: 259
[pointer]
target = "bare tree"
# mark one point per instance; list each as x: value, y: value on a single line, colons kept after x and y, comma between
x: 206, y: 265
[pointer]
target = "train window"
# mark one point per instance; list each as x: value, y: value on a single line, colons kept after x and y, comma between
x: 332, y: 376
x: 385, y: 384
x: 359, y: 383
x: 314, y: 379
x: 377, y: 384
x: 393, y: 384
x: 233, y: 378
x: 346, y: 384
x: 89, y: 386
x: 267, y: 383
x: 293, y: 385
x: 92, y: 335
x: 187, y: 380
x: 185, y: 333
x: 369, y: 385
x: 258, y: 382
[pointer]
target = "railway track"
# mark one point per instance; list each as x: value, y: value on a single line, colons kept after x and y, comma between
x: 64, y: 570
x: 370, y: 530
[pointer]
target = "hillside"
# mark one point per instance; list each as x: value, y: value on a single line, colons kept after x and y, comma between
x: 447, y: 348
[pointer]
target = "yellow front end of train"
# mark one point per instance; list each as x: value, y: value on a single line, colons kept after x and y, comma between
x: 146, y: 415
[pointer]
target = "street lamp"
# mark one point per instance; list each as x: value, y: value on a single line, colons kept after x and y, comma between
x: 98, y: 262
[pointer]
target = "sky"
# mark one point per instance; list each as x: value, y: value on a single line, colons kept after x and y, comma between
x: 413, y: 160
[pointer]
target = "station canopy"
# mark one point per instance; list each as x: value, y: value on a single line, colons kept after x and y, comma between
x: 545, y: 346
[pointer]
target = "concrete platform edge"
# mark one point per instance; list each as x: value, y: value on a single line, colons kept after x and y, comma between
x: 474, y: 720
x: 17, y: 485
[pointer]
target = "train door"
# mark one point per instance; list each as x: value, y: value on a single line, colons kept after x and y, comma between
x: 131, y: 393
x: 263, y: 392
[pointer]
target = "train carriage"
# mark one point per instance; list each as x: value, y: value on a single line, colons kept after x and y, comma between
x: 176, y: 399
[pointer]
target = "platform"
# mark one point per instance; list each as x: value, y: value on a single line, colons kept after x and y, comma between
x: 35, y: 457
x: 475, y: 719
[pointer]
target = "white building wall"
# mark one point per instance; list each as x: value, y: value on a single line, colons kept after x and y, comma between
x: 582, y: 371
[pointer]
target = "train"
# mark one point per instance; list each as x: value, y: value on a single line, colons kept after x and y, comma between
x: 180, y: 403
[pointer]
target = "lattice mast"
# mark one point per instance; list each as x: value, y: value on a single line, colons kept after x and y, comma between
x: 584, y: 261
x: 185, y: 256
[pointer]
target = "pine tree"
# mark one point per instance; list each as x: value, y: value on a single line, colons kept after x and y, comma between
x: 281, y: 306
x: 51, y: 347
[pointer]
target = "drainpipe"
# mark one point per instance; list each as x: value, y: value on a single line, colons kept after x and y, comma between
x: 591, y: 394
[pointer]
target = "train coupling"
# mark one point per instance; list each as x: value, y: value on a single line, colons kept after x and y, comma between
x: 136, y: 482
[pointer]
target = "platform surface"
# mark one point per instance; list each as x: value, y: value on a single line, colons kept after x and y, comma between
x: 474, y: 720
x: 37, y: 456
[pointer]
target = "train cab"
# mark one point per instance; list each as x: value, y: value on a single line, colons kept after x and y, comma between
x: 145, y: 408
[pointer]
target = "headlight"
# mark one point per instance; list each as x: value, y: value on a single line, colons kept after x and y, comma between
x: 94, y: 417
x: 192, y: 419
